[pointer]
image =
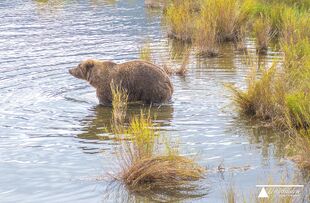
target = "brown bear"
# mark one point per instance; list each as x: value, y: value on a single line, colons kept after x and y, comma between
x: 142, y: 80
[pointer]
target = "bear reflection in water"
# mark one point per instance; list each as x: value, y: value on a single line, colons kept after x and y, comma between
x: 97, y: 125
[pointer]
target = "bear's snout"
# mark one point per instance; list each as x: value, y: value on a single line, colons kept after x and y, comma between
x: 70, y: 71
x: 75, y: 72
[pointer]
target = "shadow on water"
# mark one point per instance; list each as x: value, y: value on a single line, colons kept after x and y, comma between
x: 97, y: 125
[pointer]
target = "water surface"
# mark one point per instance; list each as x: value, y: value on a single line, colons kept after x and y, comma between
x: 53, y: 147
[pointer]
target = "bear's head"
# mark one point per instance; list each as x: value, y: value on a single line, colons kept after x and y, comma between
x: 83, y: 70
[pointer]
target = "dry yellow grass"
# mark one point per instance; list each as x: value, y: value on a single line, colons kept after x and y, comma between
x: 262, y: 30
x: 179, y: 16
x: 206, y: 39
x: 149, y: 166
x: 146, y: 52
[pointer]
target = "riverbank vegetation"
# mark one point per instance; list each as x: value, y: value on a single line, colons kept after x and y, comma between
x: 208, y: 23
x: 149, y: 163
x: 279, y: 94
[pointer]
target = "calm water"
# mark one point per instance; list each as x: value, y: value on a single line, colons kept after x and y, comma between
x: 52, y: 144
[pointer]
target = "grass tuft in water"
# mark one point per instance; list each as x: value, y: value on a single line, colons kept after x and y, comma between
x: 184, y: 66
x: 146, y: 52
x: 262, y: 29
x: 206, y: 39
x: 151, y: 165
x: 179, y: 15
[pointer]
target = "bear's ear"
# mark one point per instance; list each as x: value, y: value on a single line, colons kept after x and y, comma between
x: 89, y: 64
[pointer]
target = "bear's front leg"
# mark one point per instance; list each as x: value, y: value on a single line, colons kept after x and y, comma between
x: 103, y: 98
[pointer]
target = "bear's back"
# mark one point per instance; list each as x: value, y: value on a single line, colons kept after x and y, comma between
x: 143, y: 81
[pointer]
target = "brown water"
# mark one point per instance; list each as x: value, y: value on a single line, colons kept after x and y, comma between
x: 52, y: 144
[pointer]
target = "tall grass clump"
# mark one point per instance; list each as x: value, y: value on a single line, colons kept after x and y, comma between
x: 295, y: 25
x: 206, y: 39
x: 184, y: 66
x: 151, y: 165
x: 146, y: 52
x: 263, y: 96
x: 179, y: 15
x: 297, y: 75
x: 228, y: 18
x: 262, y: 30
x: 207, y: 22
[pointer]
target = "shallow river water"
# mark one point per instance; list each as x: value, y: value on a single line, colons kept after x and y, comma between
x: 53, y: 147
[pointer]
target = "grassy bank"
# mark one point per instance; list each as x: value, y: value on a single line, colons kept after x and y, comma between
x: 208, y: 23
x: 278, y: 95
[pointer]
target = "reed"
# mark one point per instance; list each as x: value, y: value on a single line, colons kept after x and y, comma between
x: 262, y: 30
x: 295, y: 25
x: 146, y: 52
x: 119, y: 107
x: 206, y: 39
x: 230, y: 195
x: 179, y: 16
x: 227, y: 18
x: 182, y: 71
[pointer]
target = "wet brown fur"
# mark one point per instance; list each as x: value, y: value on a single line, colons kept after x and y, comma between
x: 142, y: 80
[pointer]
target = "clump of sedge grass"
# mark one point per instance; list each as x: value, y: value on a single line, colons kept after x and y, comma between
x: 183, y: 68
x: 146, y: 168
x: 227, y: 17
x: 259, y: 99
x: 179, y: 15
x: 297, y: 76
x: 206, y: 38
x: 262, y: 31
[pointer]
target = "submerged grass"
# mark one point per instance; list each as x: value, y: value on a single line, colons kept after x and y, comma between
x: 150, y: 164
